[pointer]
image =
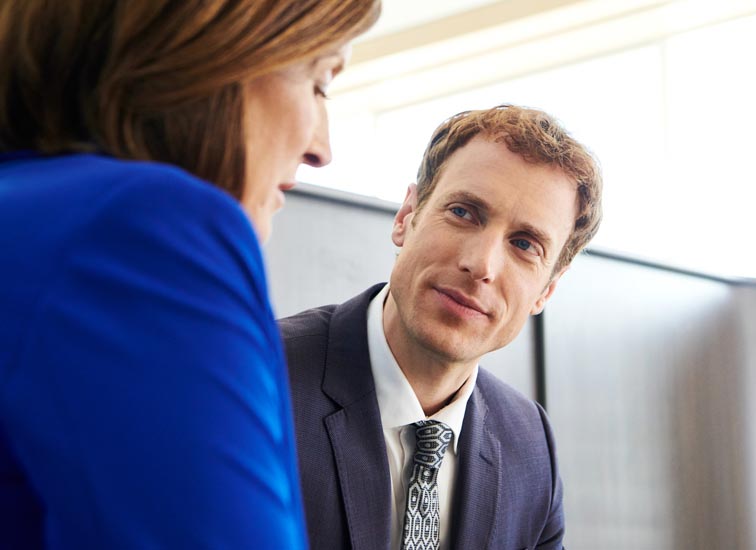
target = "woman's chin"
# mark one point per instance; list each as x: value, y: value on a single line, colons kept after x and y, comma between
x: 263, y: 229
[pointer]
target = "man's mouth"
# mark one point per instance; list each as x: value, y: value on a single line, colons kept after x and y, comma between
x: 463, y: 300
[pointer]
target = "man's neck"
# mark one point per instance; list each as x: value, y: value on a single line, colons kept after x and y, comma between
x: 434, y: 379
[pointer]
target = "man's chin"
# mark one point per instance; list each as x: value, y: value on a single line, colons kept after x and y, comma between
x: 449, y: 348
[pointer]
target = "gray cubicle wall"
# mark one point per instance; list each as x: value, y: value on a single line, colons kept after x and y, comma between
x: 648, y: 374
x: 746, y: 300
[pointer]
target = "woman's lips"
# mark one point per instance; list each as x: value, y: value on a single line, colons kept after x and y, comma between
x: 282, y: 188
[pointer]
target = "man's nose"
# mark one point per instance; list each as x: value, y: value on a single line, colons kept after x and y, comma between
x: 482, y: 256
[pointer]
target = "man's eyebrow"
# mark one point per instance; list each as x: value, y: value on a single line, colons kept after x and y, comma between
x: 486, y: 208
x: 470, y: 198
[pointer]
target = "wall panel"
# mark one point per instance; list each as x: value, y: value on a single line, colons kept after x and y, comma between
x: 646, y: 382
x: 745, y: 297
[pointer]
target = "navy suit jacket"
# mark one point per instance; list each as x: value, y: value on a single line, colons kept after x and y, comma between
x: 508, y: 494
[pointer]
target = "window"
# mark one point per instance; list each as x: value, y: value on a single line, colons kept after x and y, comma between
x: 671, y: 119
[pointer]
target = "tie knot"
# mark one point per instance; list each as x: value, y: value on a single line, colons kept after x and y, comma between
x: 432, y: 438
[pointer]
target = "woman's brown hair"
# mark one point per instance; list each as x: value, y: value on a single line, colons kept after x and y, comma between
x: 156, y: 80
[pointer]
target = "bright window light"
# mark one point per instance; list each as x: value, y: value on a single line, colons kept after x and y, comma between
x: 671, y: 121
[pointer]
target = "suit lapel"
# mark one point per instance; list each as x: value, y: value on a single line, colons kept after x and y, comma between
x: 476, y: 503
x: 355, y: 430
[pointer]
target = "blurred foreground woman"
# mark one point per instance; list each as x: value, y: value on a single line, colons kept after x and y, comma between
x: 143, y: 395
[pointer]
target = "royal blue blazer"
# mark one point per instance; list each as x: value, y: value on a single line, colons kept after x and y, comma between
x: 144, y: 400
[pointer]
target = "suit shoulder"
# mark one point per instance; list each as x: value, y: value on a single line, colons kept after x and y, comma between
x: 493, y: 387
x: 307, y: 324
x: 506, y: 403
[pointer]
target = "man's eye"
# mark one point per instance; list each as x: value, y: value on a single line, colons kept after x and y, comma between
x: 523, y: 244
x: 461, y: 212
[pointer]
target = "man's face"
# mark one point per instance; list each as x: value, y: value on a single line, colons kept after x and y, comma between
x: 478, y: 258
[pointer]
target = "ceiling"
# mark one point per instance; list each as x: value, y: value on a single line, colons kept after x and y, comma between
x: 399, y: 15
x: 422, y: 49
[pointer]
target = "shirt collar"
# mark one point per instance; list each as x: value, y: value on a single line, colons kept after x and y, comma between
x: 397, y: 401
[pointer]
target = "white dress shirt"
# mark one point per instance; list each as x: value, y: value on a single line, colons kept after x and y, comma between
x: 400, y: 408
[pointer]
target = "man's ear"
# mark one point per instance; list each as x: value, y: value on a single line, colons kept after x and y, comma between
x: 547, y: 292
x: 404, y: 216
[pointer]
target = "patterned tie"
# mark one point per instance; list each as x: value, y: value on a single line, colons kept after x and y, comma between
x: 421, y: 520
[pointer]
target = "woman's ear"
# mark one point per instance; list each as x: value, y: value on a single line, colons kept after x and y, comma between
x: 404, y: 216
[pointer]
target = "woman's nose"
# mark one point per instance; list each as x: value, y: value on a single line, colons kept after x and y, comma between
x: 319, y: 151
